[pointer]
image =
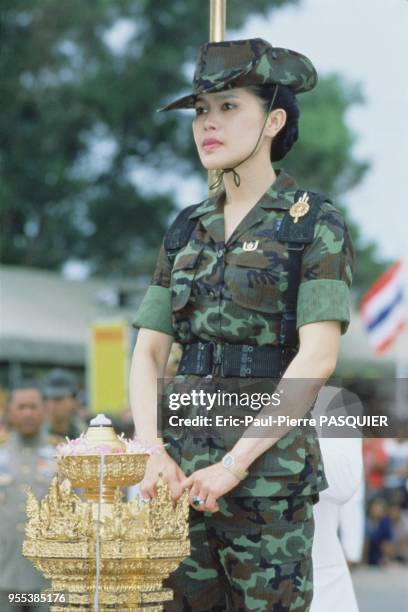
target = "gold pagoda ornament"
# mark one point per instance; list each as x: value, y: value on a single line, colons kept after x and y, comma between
x: 102, y: 553
x: 300, y: 208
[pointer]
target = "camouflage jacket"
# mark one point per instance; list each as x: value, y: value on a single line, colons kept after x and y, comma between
x: 218, y: 291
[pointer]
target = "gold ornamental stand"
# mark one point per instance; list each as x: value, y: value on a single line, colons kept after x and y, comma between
x: 100, y: 552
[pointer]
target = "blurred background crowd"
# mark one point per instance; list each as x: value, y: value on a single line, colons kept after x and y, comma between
x: 386, y: 476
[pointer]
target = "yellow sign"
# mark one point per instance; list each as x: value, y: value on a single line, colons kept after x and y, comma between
x: 108, y: 367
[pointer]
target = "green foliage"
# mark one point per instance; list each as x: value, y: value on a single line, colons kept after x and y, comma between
x: 323, y: 156
x: 64, y: 88
x: 68, y: 96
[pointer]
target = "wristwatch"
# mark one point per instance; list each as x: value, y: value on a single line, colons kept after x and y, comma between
x: 228, y: 462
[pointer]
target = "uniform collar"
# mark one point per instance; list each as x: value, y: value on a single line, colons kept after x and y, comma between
x: 278, y: 195
x: 27, y: 441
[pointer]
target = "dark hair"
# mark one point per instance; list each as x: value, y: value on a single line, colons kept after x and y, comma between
x: 26, y: 383
x: 23, y: 385
x: 286, y: 99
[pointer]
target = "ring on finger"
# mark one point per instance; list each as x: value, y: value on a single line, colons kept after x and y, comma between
x: 198, y: 501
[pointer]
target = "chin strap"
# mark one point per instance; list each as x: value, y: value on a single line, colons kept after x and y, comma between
x: 237, y: 180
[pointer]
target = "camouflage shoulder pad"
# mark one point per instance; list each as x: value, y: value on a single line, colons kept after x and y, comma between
x: 329, y: 206
x: 300, y: 229
x: 180, y: 230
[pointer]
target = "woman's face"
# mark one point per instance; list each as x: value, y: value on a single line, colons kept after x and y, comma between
x: 227, y: 126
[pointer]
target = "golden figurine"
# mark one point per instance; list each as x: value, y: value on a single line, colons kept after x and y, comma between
x: 134, y: 545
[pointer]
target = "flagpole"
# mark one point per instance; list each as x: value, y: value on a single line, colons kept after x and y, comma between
x: 218, y: 11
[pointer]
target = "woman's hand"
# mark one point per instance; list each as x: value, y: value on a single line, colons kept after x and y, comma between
x: 209, y: 484
x: 171, y: 474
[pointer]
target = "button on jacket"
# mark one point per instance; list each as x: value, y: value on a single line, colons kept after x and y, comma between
x: 234, y: 292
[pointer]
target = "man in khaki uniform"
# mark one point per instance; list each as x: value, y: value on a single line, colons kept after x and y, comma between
x: 26, y: 458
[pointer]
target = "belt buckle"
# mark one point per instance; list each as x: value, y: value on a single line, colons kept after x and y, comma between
x: 202, y: 347
x: 216, y: 369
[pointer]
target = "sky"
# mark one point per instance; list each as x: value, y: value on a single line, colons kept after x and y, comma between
x: 367, y: 42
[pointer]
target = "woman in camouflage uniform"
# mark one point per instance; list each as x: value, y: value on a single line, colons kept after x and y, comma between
x: 253, y: 283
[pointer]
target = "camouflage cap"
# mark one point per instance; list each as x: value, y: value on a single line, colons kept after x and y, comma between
x: 60, y: 383
x: 239, y: 63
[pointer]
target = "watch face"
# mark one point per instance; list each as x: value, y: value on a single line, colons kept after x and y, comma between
x: 228, y: 460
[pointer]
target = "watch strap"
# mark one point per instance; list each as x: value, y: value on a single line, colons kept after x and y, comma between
x: 241, y: 474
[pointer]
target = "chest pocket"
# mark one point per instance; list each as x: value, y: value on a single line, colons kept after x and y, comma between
x: 182, y: 276
x: 258, y: 279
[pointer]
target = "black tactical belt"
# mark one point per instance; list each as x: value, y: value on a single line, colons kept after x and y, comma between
x: 244, y: 360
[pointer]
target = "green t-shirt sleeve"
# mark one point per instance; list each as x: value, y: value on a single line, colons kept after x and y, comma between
x: 327, y: 272
x: 155, y: 310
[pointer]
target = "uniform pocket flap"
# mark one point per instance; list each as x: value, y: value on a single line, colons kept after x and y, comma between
x: 285, y: 458
x: 248, y: 259
x: 186, y: 259
x: 277, y: 464
x: 254, y: 289
x: 180, y: 296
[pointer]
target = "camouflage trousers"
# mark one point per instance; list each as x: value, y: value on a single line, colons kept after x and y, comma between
x: 254, y: 554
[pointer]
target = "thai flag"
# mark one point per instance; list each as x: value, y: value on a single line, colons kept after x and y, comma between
x: 383, y: 309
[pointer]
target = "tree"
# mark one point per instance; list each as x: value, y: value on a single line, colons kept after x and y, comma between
x: 78, y: 124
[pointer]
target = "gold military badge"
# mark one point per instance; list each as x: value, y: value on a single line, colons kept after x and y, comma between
x: 300, y: 208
